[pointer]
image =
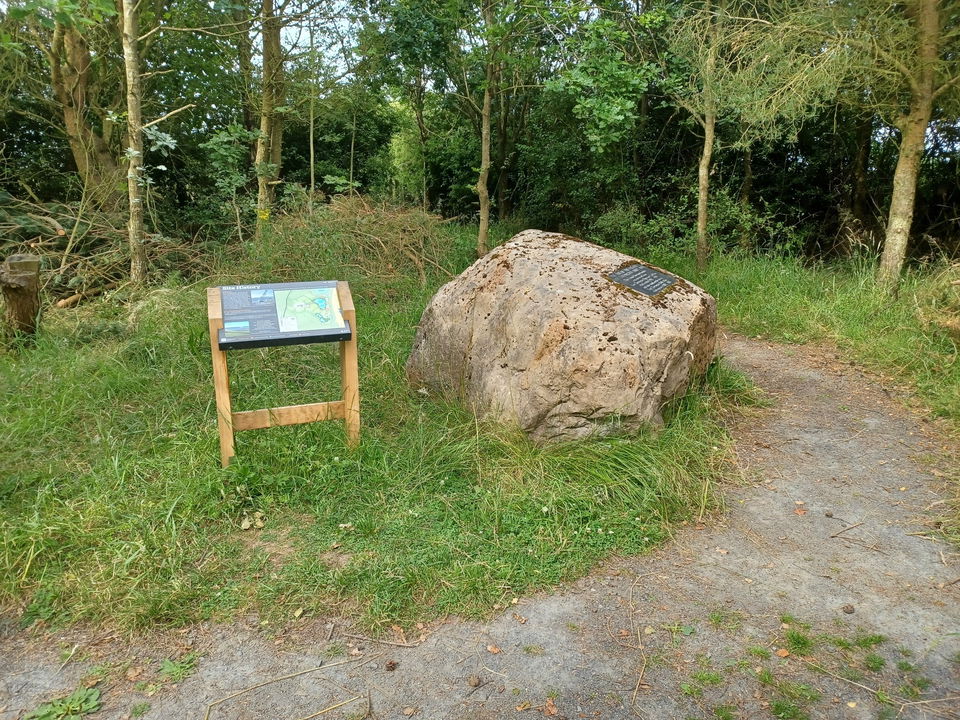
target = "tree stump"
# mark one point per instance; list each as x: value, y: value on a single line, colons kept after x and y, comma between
x: 20, y: 283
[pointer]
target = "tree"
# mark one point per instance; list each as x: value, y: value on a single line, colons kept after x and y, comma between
x: 73, y: 46
x: 905, y: 60
x: 272, y: 93
x: 134, y: 152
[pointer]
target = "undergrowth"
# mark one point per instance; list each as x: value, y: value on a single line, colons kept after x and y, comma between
x: 113, y: 507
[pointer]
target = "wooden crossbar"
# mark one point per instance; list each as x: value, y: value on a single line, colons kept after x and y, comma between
x: 288, y: 415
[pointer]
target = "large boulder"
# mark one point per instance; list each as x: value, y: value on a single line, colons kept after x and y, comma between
x: 536, y: 333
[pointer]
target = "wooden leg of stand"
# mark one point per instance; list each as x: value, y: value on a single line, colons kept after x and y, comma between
x: 349, y: 371
x: 221, y: 379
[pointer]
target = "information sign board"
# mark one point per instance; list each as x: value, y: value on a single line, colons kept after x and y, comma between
x: 281, y: 314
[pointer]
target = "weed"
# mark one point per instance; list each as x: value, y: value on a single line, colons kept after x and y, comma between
x: 76, y: 705
x: 868, y: 641
x: 147, y: 688
x: 334, y: 650
x: 797, y: 691
x: 724, y: 712
x: 786, y: 710
x: 760, y: 652
x: 874, y: 662
x: 41, y: 608
x: 914, y: 687
x: 799, y: 643
x: 707, y: 677
x: 726, y: 619
x: 765, y: 676
x: 852, y: 674
x: 906, y: 666
x: 139, y: 709
x: 840, y: 642
x: 176, y: 671
x: 691, y: 689
x: 534, y: 649
x: 98, y: 673
x: 883, y: 697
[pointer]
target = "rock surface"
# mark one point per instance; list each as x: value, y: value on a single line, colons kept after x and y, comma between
x: 535, y: 334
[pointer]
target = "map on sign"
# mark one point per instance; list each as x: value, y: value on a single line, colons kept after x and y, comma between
x: 281, y: 314
x: 643, y: 279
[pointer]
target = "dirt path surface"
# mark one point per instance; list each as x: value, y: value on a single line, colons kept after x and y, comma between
x: 819, y: 594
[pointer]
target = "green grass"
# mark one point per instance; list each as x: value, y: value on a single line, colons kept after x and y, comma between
x: 799, y: 642
x: 176, y: 671
x: 784, y: 300
x: 114, y: 509
x: 76, y: 705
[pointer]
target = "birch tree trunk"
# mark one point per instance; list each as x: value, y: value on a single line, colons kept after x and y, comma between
x: 709, y: 130
x: 913, y: 128
x: 131, y: 63
x: 483, y: 191
x: 746, y: 189
x: 703, y: 189
x: 267, y: 158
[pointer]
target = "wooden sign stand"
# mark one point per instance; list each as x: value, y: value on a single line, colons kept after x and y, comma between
x: 346, y: 409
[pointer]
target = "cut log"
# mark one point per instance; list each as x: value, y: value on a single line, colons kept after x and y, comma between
x: 20, y: 284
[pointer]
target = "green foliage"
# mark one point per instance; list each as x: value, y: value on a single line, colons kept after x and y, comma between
x: 75, y: 706
x: 604, y: 83
x: 42, y: 607
x: 799, y: 642
x: 176, y: 671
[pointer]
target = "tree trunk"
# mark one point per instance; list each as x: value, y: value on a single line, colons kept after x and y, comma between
x: 703, y: 191
x: 267, y: 158
x: 313, y: 111
x: 709, y: 129
x: 71, y: 77
x: 482, y: 190
x: 241, y: 18
x: 861, y: 166
x: 131, y: 63
x: 913, y: 131
x: 419, y: 92
x: 20, y: 283
x: 746, y: 189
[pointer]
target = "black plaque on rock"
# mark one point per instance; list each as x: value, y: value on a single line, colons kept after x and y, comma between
x: 643, y: 279
x: 281, y: 314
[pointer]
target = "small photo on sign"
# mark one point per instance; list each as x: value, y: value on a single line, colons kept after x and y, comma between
x: 261, y: 297
x: 236, y: 328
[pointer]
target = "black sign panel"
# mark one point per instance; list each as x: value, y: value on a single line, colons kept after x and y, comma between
x: 643, y: 279
x: 281, y: 314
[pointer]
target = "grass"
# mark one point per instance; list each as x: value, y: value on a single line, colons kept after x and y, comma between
x: 114, y: 508
x: 76, y: 705
x: 838, y: 303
